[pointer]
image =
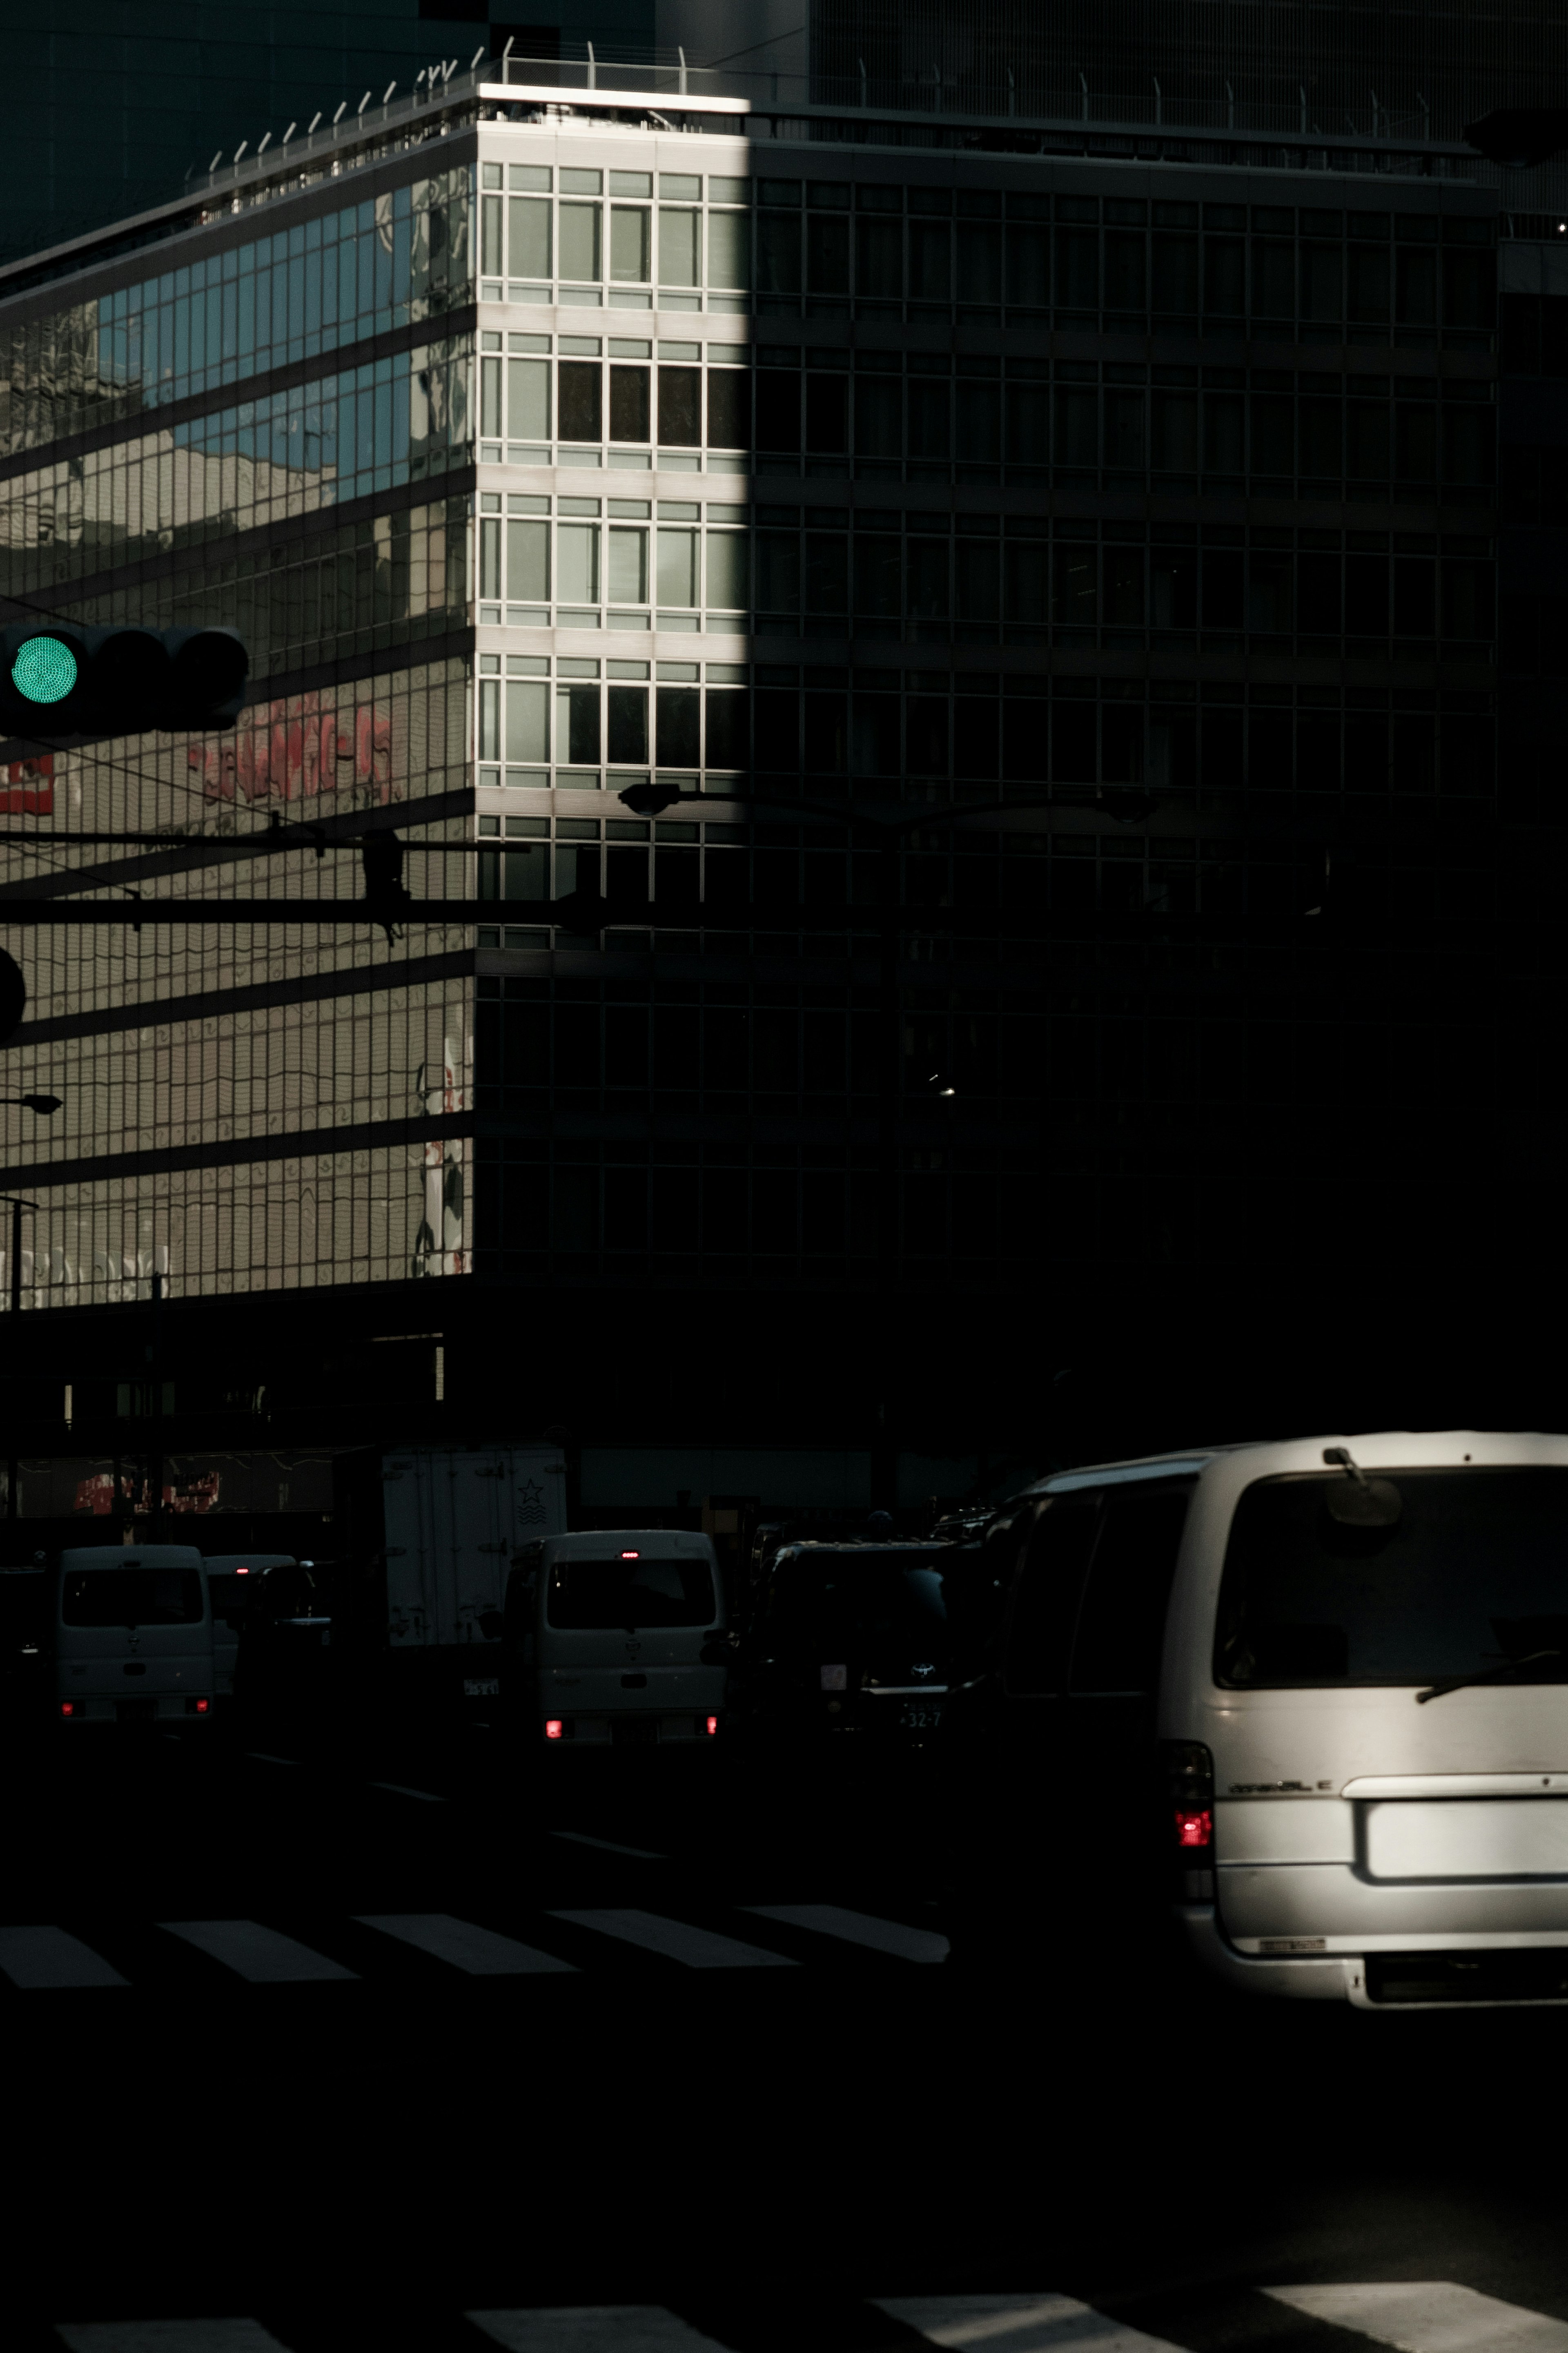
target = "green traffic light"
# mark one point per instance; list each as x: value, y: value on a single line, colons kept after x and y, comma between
x: 43, y: 670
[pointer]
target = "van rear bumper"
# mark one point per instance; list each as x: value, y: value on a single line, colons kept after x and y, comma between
x: 1504, y: 1974
x: 1333, y: 1977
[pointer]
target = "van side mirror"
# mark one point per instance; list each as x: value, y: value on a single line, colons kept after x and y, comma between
x: 490, y: 1624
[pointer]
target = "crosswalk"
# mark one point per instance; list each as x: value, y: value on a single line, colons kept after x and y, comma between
x: 368, y: 1945
x: 1410, y: 2315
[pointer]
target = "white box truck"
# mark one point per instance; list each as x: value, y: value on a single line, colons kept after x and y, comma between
x: 452, y: 1517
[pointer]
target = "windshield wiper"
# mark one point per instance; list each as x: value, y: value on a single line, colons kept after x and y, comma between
x: 1485, y: 1675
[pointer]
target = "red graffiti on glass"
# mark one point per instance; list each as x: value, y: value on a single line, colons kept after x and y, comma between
x: 28, y: 787
x: 297, y: 750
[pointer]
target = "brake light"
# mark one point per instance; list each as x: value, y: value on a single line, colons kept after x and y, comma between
x: 199, y: 1707
x: 631, y: 1556
x: 712, y: 1725
x: 553, y: 1728
x: 1194, y: 1827
x: 242, y: 1572
x: 72, y: 1707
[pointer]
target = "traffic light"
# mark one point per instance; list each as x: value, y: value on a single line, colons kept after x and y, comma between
x: 59, y: 679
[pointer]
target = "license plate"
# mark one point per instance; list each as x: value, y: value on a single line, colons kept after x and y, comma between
x: 481, y: 1686
x: 921, y: 1715
x: 635, y: 1732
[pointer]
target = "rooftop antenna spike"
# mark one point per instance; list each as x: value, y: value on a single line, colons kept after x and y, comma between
x: 681, y: 55
x: 593, y: 68
x: 482, y: 51
x: 311, y: 124
x: 290, y: 132
x: 240, y: 149
x: 263, y: 146
x: 338, y: 117
x: 360, y: 107
x: 448, y: 69
x: 217, y: 160
x: 1159, y: 101
x: 386, y: 94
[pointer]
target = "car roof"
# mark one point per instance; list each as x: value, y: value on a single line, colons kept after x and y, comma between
x: 1372, y: 1450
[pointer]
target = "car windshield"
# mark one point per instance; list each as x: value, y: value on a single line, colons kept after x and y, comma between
x: 863, y: 1600
x: 1471, y: 1575
x: 131, y: 1597
x: 601, y: 1595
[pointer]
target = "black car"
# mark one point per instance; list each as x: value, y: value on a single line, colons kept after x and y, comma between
x: 857, y: 1638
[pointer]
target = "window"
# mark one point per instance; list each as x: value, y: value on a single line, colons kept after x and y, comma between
x: 678, y: 567
x: 630, y: 408
x: 580, y: 401
x: 1467, y: 1577
x: 133, y: 1597
x: 631, y: 244
x: 678, y: 235
x: 729, y: 252
x: 528, y: 721
x: 577, y: 560
x: 628, y: 567
x: 527, y: 562
x: 679, y: 407
x: 577, y: 725
x: 1122, y: 1618
x: 728, y: 408
x: 728, y: 569
x: 1045, y: 1597
x: 580, y: 242
x: 529, y: 248
x: 626, y: 728
x: 930, y: 261
x: 528, y: 400
x: 679, y: 711
x: 616, y: 1595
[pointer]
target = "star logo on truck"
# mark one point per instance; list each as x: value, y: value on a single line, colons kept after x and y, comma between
x: 531, y: 1500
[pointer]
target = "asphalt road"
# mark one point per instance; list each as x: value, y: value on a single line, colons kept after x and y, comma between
x: 336, y: 2049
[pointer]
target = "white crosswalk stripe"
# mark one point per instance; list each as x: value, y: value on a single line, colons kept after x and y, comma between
x: 33, y: 1957
x: 1018, y: 2324
x: 858, y: 1928
x: 1429, y: 2316
x: 592, y: 2328
x: 478, y: 1952
x: 697, y: 1948
x: 262, y: 1956
x: 166, y: 2337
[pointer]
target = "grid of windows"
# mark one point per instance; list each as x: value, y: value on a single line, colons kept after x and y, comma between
x: 330, y: 281
x: 586, y: 242
x: 370, y: 428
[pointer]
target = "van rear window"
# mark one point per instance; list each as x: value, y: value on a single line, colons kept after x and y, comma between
x: 604, y: 1596
x: 131, y: 1597
x: 1467, y: 1574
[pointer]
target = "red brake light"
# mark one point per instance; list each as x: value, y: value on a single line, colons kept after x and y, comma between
x: 1194, y: 1827
x: 242, y: 1572
x: 631, y: 1556
x: 553, y: 1728
x: 203, y: 1706
x: 712, y: 1724
x: 70, y: 1707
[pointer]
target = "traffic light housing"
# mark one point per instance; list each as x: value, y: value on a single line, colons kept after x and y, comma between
x: 57, y: 678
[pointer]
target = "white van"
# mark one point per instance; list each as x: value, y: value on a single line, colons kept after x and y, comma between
x: 1353, y: 1654
x: 228, y: 1587
x: 605, y: 1636
x: 132, y: 1635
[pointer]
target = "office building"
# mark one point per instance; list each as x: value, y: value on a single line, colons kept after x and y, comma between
x: 1105, y: 541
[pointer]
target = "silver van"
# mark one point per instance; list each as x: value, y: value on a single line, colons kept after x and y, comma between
x: 605, y: 1636
x: 132, y: 1635
x: 1319, y: 1689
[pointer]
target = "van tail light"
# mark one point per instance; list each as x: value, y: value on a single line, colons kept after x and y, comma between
x: 74, y: 1710
x: 712, y: 1725
x: 198, y: 1707
x: 553, y: 1728
x: 1189, y: 1787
